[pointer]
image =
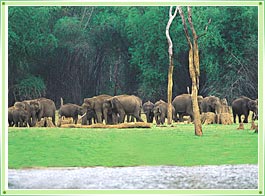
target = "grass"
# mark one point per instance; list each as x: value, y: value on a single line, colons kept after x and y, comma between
x: 61, y: 147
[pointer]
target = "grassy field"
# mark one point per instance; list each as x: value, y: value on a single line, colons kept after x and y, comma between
x: 59, y: 147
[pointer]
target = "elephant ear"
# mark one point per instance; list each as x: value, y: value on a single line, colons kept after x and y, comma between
x: 252, y: 105
x: 113, y: 102
x: 36, y: 105
x: 89, y: 103
x: 107, y: 103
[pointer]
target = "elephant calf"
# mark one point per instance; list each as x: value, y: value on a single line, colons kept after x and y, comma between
x: 160, y: 112
x: 71, y: 110
x: 148, y: 110
x: 20, y: 117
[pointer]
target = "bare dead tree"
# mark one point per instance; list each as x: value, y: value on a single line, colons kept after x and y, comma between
x: 194, y: 66
x: 171, y: 65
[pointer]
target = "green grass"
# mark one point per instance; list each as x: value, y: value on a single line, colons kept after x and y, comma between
x: 60, y: 147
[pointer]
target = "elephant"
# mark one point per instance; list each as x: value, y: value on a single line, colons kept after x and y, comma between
x: 183, y: 106
x: 30, y: 110
x: 89, y: 117
x: 20, y: 117
x: 71, y: 110
x: 110, y: 114
x: 96, y: 104
x: 242, y: 106
x: 10, y: 116
x: 211, y: 104
x: 148, y: 110
x: 42, y: 107
x: 124, y: 105
x: 160, y: 112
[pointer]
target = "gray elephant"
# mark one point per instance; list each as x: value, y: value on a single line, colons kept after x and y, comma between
x: 89, y: 117
x: 110, y: 114
x: 148, y: 110
x: 42, y: 107
x: 183, y: 106
x: 30, y: 110
x: 10, y: 116
x: 211, y: 104
x: 20, y: 117
x: 124, y: 105
x: 96, y: 104
x: 242, y: 106
x: 160, y: 112
x: 71, y: 110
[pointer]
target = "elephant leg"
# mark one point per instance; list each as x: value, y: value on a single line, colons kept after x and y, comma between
x: 53, y: 119
x: 128, y: 118
x: 138, y: 118
x: 33, y: 120
x: 114, y: 118
x: 84, y: 120
x: 30, y: 122
x: 151, y: 117
x: 192, y: 117
x: 246, y: 118
x: 75, y: 118
x: 234, y: 116
x: 122, y: 116
x: 147, y: 118
x: 40, y: 115
x: 90, y: 121
x: 157, y: 119
x: 99, y: 117
x: 162, y: 118
x: 239, y: 118
x: 180, y: 117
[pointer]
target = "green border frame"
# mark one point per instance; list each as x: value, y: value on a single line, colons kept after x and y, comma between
x: 4, y: 186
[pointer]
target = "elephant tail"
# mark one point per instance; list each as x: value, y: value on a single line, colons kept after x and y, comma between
x: 61, y: 101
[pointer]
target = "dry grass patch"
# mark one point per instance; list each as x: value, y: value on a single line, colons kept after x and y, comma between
x: 118, y: 126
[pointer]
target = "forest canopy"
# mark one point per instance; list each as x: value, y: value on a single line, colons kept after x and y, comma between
x: 78, y: 52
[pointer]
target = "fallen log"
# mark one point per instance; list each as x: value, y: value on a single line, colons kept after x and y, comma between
x: 118, y: 126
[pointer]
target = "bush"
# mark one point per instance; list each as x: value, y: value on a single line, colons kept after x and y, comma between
x: 29, y: 88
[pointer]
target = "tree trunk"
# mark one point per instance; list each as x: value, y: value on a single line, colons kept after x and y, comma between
x: 169, y: 92
x: 194, y: 68
x: 195, y: 87
x: 171, y: 66
x: 195, y: 105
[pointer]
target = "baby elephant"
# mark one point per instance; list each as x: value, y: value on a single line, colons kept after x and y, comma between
x: 71, y: 110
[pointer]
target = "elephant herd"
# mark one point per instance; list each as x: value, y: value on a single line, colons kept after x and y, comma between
x: 114, y: 109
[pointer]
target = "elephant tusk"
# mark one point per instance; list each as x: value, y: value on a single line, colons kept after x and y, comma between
x: 83, y: 115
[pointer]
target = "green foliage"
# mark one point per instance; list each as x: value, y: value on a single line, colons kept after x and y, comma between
x: 84, y: 51
x: 29, y: 88
x: 62, y: 147
x: 67, y: 29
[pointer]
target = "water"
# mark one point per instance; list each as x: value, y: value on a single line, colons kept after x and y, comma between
x: 140, y: 177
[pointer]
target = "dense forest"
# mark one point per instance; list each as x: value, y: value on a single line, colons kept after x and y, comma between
x: 78, y: 52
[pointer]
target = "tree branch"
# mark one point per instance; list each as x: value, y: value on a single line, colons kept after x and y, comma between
x: 191, y: 23
x: 185, y: 26
x: 206, y: 28
x: 171, y: 17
